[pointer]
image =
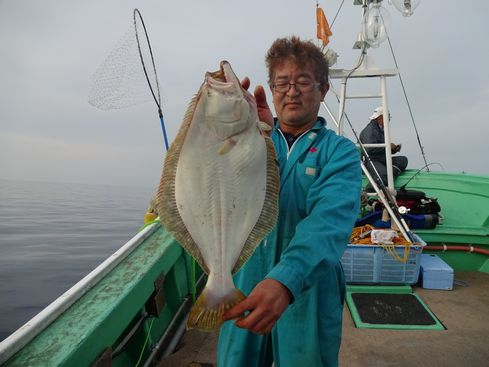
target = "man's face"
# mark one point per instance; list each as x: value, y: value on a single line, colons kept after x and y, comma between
x: 380, y: 121
x: 296, y: 109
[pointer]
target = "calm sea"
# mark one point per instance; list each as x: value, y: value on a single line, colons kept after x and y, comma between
x: 53, y: 234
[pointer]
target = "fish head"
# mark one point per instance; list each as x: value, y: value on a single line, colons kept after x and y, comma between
x: 229, y: 108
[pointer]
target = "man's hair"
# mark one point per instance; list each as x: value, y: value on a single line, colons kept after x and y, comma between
x: 300, y: 52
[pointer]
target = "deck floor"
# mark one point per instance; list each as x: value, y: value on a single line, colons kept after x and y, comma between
x: 464, y: 312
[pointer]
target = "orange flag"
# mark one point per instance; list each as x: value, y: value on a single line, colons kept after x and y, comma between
x: 323, y: 30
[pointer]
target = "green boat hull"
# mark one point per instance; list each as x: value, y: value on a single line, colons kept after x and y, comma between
x: 129, y: 315
x: 100, y: 320
x: 464, y: 202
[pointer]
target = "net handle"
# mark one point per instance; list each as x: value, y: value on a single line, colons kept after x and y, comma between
x: 157, y: 100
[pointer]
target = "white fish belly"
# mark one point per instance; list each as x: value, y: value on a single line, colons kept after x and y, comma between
x: 220, y: 196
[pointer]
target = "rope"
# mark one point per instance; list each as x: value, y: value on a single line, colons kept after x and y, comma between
x: 145, y: 342
x: 148, y: 224
x: 336, y: 15
x: 193, y: 284
x: 391, y: 250
x: 361, y: 236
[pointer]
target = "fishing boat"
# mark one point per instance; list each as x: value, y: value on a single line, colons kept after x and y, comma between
x: 132, y: 309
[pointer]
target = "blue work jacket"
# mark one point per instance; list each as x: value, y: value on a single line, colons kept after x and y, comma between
x: 320, y: 182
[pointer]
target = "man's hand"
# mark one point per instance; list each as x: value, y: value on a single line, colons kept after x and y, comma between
x: 395, y: 148
x: 264, y: 112
x: 265, y: 304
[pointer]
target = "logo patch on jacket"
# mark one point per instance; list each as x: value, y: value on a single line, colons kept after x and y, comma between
x: 310, y: 171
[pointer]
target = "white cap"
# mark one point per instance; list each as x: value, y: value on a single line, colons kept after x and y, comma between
x: 377, y: 112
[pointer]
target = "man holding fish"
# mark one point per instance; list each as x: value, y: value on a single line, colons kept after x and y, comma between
x: 294, y: 280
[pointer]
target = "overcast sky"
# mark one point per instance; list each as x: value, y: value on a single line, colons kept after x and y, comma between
x: 50, y: 51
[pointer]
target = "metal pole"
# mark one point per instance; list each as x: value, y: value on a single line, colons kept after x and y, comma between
x: 330, y: 113
x: 401, y: 224
x: 341, y: 112
x: 181, y: 310
x: 387, y: 134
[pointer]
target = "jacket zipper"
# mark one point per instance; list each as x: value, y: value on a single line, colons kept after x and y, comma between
x: 289, y: 150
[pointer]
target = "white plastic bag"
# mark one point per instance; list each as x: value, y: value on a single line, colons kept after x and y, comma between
x: 385, y: 236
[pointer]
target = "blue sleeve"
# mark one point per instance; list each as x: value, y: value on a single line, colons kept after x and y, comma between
x: 321, y: 237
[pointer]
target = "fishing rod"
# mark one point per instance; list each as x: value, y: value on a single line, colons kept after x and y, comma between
x: 382, y: 191
x: 408, y: 104
x: 403, y: 187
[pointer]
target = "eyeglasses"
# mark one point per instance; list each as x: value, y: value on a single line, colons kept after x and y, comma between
x: 302, y: 86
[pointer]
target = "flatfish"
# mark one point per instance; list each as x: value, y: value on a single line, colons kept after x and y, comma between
x: 218, y: 193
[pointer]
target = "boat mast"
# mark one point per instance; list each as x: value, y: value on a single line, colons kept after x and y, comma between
x: 366, y: 68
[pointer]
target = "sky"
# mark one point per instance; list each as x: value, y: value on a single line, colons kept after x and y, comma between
x: 51, y: 50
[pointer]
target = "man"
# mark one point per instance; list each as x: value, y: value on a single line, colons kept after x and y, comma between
x: 373, y: 133
x: 294, y: 280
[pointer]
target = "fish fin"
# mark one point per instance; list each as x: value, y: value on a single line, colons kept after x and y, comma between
x: 228, y: 144
x: 165, y: 198
x: 207, y: 314
x: 149, y: 217
x: 264, y: 127
x: 269, y: 213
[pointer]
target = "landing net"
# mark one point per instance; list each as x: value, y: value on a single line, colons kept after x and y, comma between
x: 128, y: 76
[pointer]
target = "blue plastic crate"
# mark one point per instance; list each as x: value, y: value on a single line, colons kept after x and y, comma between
x: 372, y: 264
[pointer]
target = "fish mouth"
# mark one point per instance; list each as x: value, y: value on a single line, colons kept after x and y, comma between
x: 224, y: 77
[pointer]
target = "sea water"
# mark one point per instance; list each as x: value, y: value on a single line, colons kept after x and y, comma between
x: 53, y: 234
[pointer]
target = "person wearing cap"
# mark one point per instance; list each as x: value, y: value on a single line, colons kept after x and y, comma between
x: 373, y: 133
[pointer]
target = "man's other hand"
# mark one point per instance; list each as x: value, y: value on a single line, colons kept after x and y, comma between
x: 262, y: 308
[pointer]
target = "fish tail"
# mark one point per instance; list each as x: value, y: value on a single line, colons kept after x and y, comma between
x: 208, y: 311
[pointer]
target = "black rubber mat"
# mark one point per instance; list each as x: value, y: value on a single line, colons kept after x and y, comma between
x: 387, y: 308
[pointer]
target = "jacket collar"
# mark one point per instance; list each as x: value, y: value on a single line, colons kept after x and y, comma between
x: 320, y: 123
x: 300, y: 147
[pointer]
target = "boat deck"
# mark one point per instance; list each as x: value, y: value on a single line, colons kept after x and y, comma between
x: 463, y: 311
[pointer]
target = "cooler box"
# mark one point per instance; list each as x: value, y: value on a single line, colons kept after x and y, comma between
x: 435, y: 273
